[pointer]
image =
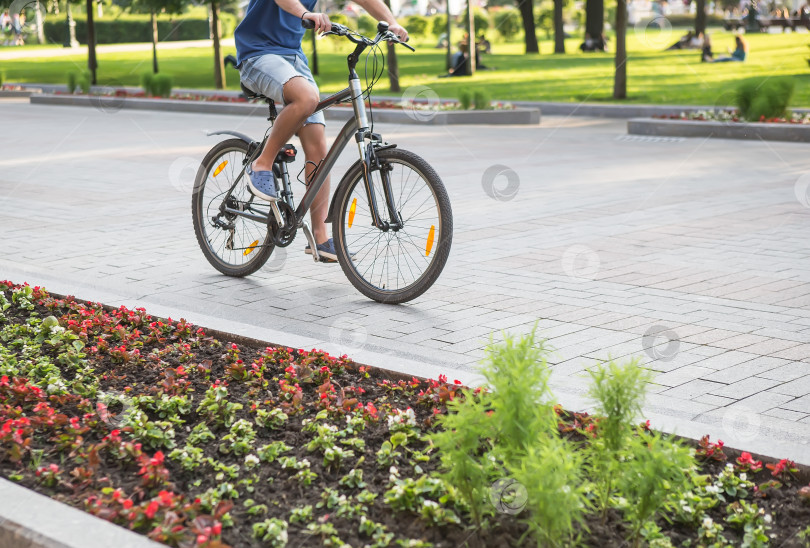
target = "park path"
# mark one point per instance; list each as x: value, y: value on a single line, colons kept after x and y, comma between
x: 8, y: 53
x: 689, y: 254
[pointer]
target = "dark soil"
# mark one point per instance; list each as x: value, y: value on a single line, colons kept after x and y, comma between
x: 276, y: 487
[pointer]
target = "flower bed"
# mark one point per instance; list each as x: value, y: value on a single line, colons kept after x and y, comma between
x: 731, y: 115
x: 194, y: 441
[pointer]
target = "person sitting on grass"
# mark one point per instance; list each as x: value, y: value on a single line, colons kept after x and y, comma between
x: 271, y: 62
x: 739, y: 53
x: 685, y: 42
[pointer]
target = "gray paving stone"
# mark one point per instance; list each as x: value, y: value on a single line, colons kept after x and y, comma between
x: 744, y: 388
x: 719, y: 257
x: 785, y: 414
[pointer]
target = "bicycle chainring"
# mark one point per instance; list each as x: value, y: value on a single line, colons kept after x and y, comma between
x: 284, y: 237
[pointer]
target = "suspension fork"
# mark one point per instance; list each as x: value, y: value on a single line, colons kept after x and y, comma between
x: 368, y: 157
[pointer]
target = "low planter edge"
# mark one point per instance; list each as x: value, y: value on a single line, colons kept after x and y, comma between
x: 520, y: 116
x: 722, y: 130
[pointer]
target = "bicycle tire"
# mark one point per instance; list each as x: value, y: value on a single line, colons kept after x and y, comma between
x: 347, y: 198
x: 258, y: 246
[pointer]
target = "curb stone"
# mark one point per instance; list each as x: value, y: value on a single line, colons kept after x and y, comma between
x: 31, y: 520
x: 397, y: 116
x: 796, y: 133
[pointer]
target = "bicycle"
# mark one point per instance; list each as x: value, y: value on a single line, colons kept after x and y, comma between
x: 391, y: 252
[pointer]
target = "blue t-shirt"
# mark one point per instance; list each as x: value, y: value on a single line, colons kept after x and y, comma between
x: 267, y: 28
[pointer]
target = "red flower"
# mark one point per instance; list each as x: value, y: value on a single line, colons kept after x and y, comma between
x: 152, y: 509
x: 127, y: 504
x: 746, y: 461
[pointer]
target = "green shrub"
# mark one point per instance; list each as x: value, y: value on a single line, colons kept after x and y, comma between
x: 481, y: 20
x: 465, y: 99
x: 78, y: 80
x: 366, y: 25
x: 508, y: 23
x: 340, y: 19
x: 137, y: 28
x: 162, y: 85
x: 462, y: 443
x: 2, y: 78
x: 521, y: 399
x: 417, y: 25
x: 146, y: 82
x: 656, y: 467
x: 552, y: 473
x: 84, y: 83
x: 618, y: 392
x: 769, y: 98
x: 482, y: 101
x: 438, y: 25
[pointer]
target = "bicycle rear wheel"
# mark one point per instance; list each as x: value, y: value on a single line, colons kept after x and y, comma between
x: 234, y: 245
x: 394, y: 266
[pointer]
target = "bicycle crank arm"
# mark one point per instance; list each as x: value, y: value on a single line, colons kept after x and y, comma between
x: 277, y: 214
x: 311, y: 241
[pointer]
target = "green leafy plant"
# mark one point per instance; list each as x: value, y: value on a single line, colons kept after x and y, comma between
x: 618, y: 392
x: 273, y: 531
x: 162, y: 85
x: 553, y: 475
x: 78, y: 80
x: 482, y: 101
x: 146, y: 82
x: 465, y: 99
x: 765, y: 99
x: 655, y: 467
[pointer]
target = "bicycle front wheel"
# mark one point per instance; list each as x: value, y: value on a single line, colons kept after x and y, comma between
x: 233, y: 244
x: 393, y: 266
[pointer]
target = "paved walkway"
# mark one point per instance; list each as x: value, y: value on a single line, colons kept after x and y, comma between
x: 690, y: 254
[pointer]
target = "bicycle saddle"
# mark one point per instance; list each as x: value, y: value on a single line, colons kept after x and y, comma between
x: 249, y: 93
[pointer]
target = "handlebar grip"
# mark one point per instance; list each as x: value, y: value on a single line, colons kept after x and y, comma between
x: 307, y: 23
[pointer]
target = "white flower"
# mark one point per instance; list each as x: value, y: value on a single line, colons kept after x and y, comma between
x: 743, y: 476
x: 251, y: 461
x: 707, y: 522
x: 768, y: 518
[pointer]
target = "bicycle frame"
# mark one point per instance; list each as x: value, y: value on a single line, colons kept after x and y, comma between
x: 367, y: 143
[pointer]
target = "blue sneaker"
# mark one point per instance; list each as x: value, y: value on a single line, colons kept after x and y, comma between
x: 326, y: 251
x: 262, y: 184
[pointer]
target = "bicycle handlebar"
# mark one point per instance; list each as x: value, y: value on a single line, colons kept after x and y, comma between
x: 383, y: 34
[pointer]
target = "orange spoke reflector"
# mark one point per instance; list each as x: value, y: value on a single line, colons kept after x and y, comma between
x: 351, y: 212
x: 431, y: 235
x: 250, y: 249
x: 220, y: 167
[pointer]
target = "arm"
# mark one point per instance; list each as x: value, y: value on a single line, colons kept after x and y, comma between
x: 379, y: 11
x: 296, y: 8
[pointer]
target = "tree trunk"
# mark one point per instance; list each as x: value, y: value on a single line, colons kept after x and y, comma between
x: 153, y: 20
x: 530, y: 34
x: 216, y: 29
x: 38, y: 22
x: 449, y: 40
x: 700, y: 17
x: 393, y: 64
x: 470, y: 39
x: 99, y: 10
x: 91, y: 43
x: 70, y: 35
x: 620, y: 79
x: 595, y: 18
x: 559, y: 33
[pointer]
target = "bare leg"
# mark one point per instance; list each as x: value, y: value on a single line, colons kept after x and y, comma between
x: 313, y: 139
x: 300, y: 100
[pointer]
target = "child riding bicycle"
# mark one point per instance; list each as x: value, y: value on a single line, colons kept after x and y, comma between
x: 271, y: 62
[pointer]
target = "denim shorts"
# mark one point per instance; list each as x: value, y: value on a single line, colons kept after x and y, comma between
x: 268, y: 73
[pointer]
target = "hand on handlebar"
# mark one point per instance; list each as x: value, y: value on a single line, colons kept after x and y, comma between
x: 399, y: 31
x: 318, y: 21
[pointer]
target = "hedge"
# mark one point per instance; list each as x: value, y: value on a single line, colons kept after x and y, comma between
x: 131, y: 29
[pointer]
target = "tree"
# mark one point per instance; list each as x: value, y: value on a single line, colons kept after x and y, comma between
x: 153, y: 8
x: 530, y: 34
x: 620, y: 78
x: 700, y: 17
x: 595, y: 18
x: 559, y: 33
x: 393, y: 63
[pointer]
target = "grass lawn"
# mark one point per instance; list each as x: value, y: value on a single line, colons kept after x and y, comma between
x: 655, y: 76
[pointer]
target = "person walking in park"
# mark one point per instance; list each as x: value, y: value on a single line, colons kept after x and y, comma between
x: 271, y: 62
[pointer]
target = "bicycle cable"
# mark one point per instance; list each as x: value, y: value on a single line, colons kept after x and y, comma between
x: 374, y: 78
